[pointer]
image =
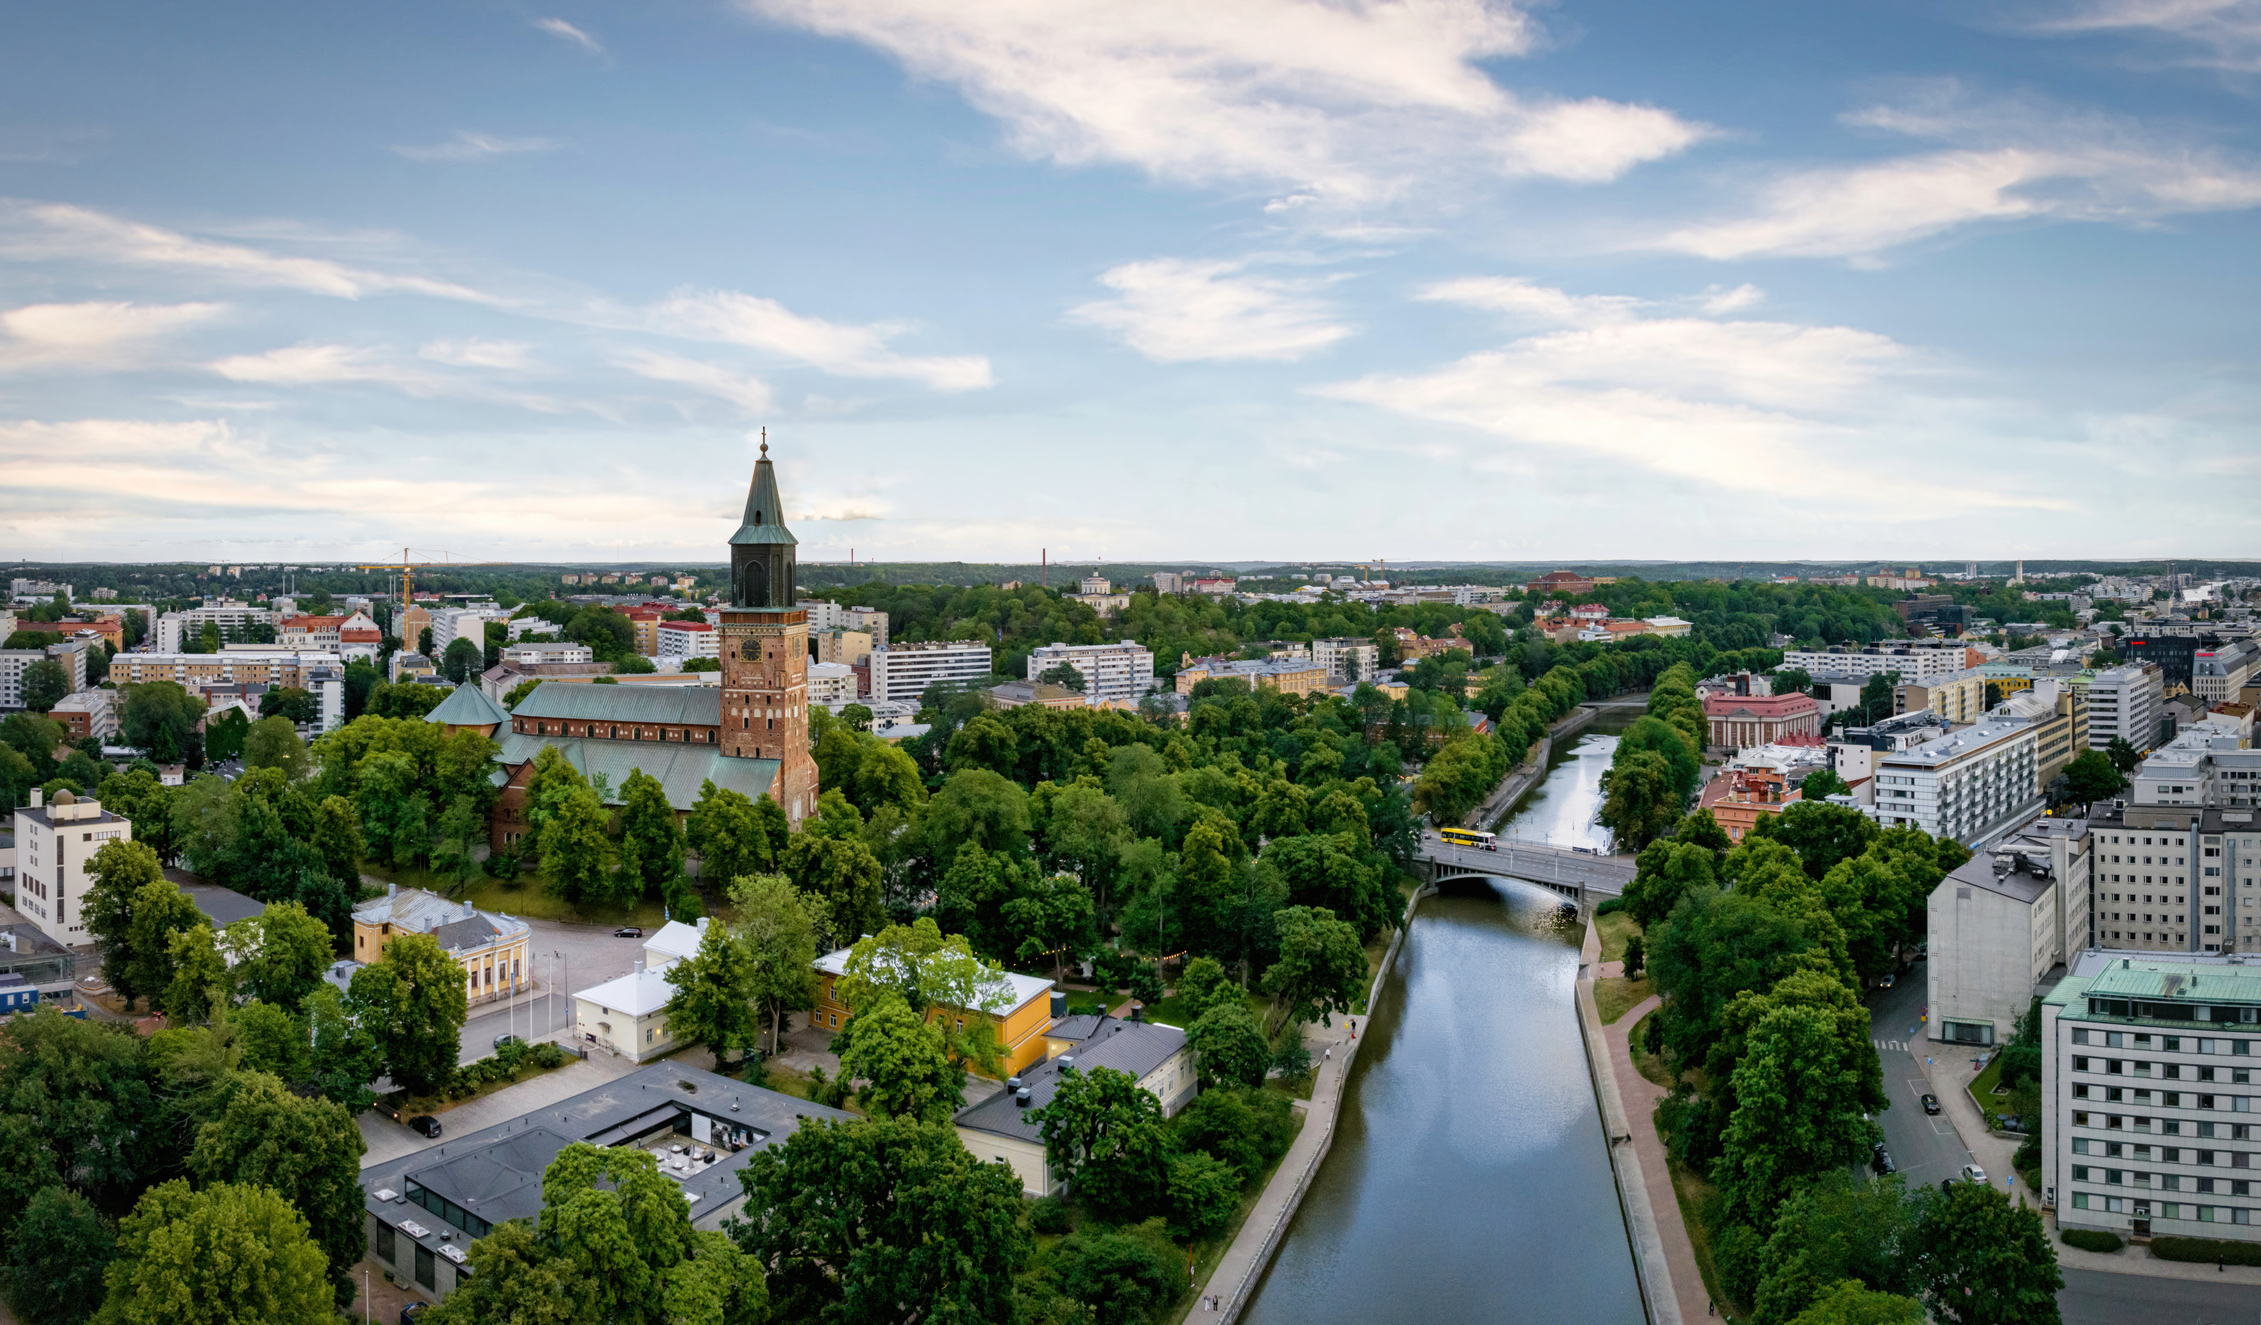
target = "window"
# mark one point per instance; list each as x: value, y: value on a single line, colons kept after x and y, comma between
x: 424, y: 1268
x: 387, y: 1244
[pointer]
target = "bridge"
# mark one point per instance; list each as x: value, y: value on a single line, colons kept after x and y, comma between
x: 1576, y: 875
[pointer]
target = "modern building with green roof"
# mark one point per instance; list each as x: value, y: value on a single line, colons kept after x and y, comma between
x: 2148, y: 1096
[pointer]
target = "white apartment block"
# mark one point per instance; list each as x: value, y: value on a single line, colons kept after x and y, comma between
x: 825, y: 616
x: 1110, y: 671
x: 2125, y: 702
x: 1965, y: 785
x: 2146, y: 1089
x: 39, y: 591
x: 689, y: 639
x: 548, y: 651
x: 2177, y: 880
x: 1347, y: 657
x: 1168, y: 581
x: 1913, y: 664
x: 53, y: 844
x: 2205, y: 766
x: 904, y: 671
x: 100, y: 708
x: 1999, y: 924
x: 12, y: 665
x: 452, y: 623
x: 832, y: 685
x: 2216, y: 675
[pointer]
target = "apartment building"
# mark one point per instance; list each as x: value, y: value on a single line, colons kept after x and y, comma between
x: 1109, y: 671
x: 1167, y: 581
x: 688, y: 639
x: 2000, y: 923
x: 88, y: 713
x: 841, y: 645
x: 2209, y: 765
x: 1914, y: 662
x: 1966, y: 784
x: 2217, y: 674
x: 38, y: 591
x: 13, y: 663
x: 229, y: 614
x: 450, y: 624
x: 320, y: 674
x: 2146, y: 1082
x: 2176, y: 879
x: 825, y: 616
x: 1348, y: 657
x: 2125, y: 702
x: 54, y: 841
x: 1958, y: 696
x: 904, y: 671
x: 832, y: 685
x: 547, y: 651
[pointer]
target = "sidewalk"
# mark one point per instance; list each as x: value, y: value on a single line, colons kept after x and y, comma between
x: 1640, y: 1096
x: 1233, y: 1282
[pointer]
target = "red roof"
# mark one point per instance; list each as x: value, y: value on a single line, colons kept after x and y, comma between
x: 686, y: 625
x: 313, y: 622
x: 1759, y: 706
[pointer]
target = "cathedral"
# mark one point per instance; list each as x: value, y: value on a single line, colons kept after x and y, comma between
x: 749, y: 735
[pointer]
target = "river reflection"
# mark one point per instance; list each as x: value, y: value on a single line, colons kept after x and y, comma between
x: 1468, y: 1181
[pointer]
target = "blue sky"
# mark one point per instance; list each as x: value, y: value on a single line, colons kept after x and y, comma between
x: 1198, y: 279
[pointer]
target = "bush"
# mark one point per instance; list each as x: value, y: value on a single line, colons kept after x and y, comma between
x: 1120, y: 1277
x: 2205, y: 1249
x: 1293, y: 1061
x: 1609, y: 904
x: 1636, y: 955
x: 1049, y: 1216
x: 548, y: 1054
x: 1248, y: 1129
x: 2093, y: 1239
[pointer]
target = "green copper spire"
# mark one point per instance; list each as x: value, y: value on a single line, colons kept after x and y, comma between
x: 762, y: 560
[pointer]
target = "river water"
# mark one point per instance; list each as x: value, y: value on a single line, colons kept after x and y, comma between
x: 1468, y: 1180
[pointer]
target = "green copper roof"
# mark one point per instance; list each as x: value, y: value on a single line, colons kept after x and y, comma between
x: 765, y: 510
x: 468, y: 707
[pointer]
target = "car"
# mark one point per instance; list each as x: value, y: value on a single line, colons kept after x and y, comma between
x: 1973, y: 1173
x: 507, y: 1038
x: 629, y: 932
x: 1887, y: 980
x: 409, y: 1313
x: 425, y: 1124
x: 1931, y: 1104
x: 1881, y: 1161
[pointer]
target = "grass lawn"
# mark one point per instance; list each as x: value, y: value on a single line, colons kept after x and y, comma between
x: 1615, y: 998
x: 1213, y: 1251
x: 1616, y: 927
x: 522, y: 897
x: 1982, y: 1094
x: 1171, y: 1011
x: 1082, y: 1001
x: 1698, y: 1199
x: 1295, y: 1088
x: 1644, y: 1062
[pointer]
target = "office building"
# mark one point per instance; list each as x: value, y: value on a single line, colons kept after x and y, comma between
x: 1109, y: 671
x: 1966, y: 784
x: 2219, y: 673
x: 904, y: 671
x: 2175, y: 879
x: 2126, y: 702
x: 2000, y: 923
x: 2209, y: 765
x: 2145, y: 1067
x: 54, y: 842
x: 681, y: 640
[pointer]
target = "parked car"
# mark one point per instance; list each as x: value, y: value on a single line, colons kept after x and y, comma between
x: 425, y: 1124
x: 1973, y: 1173
x: 1887, y: 980
x: 1881, y: 1161
x: 1931, y: 1104
x: 629, y: 932
x: 505, y: 1038
x: 409, y: 1313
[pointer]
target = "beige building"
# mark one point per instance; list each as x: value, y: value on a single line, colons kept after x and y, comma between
x: 1959, y: 697
x: 491, y: 949
x: 1155, y: 1056
x: 1291, y: 677
x: 842, y: 645
x: 627, y: 1017
x: 53, y: 844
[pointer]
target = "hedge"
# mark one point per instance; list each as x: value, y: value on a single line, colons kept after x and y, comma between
x: 2206, y: 1249
x: 1609, y: 904
x: 2093, y: 1239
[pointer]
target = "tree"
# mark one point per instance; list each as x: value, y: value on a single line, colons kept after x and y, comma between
x: 159, y: 718
x: 57, y: 1257
x: 1850, y: 1302
x: 413, y: 1000
x: 144, y: 962
x: 460, y: 659
x: 1640, y: 802
x: 1979, y: 1258
x: 514, y: 1279
x: 200, y: 975
x: 1055, y: 918
x: 1119, y: 1276
x: 226, y: 1255
x: 463, y: 829
x: 651, y: 842
x: 841, y: 870
x: 1105, y: 1138
x: 270, y: 1039
x: 577, y: 853
x: 306, y: 1151
x: 2092, y: 776
x: 273, y: 743
x: 723, y: 830
x: 1229, y: 1044
x: 1821, y: 784
x: 1245, y: 1127
x: 1322, y: 966
x: 290, y: 702
x: 1062, y: 674
x: 343, y: 1057
x: 1805, y: 1082
x: 119, y: 869
x: 1204, y: 984
x: 1790, y: 681
x: 782, y: 930
x: 281, y: 953
x: 715, y: 987
x: 77, y: 1098
x: 1204, y: 1196
x: 904, y: 1062
x: 224, y: 735
x: 45, y: 684
x: 924, y: 968
x: 1834, y: 1229
x: 622, y: 1237
x: 516, y: 693
x: 2124, y: 756
x: 853, y: 1221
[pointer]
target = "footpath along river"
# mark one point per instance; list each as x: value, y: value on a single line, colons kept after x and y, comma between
x: 1468, y: 1181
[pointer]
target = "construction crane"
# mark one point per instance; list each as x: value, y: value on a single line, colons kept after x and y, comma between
x: 408, y: 570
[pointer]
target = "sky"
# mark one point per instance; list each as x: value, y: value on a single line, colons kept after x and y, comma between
x: 1131, y: 279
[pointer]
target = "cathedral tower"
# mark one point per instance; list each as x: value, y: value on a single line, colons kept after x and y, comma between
x: 765, y: 649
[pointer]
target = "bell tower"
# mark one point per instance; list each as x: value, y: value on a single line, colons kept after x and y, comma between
x: 765, y: 648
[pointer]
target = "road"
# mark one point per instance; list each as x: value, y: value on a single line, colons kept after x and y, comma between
x: 1927, y: 1150
x: 1604, y: 876
x: 578, y: 957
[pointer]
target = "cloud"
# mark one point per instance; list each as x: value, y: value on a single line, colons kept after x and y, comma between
x: 748, y: 393
x: 840, y: 348
x: 312, y: 365
x: 469, y: 146
x: 51, y: 231
x: 93, y: 335
x: 1173, y: 311
x: 503, y: 355
x: 1717, y: 301
x: 1742, y: 405
x: 2013, y: 162
x: 564, y: 31
x: 1350, y: 101
x: 2227, y: 31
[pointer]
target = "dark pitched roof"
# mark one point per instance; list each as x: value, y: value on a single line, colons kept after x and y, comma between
x: 765, y: 510
x: 656, y: 706
x: 680, y: 767
x: 1133, y: 1047
x: 221, y: 906
x: 468, y: 707
x: 470, y: 932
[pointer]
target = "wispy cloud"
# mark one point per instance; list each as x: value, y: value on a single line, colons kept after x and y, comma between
x: 748, y: 393
x: 93, y: 335
x: 1350, y: 102
x: 841, y: 348
x: 502, y: 355
x: 2013, y: 161
x: 1173, y: 310
x: 56, y: 231
x: 2222, y: 34
x: 469, y: 146
x: 564, y: 31
x: 1746, y: 406
x: 308, y: 365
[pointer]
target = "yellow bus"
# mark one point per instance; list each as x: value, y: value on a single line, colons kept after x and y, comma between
x: 1470, y: 837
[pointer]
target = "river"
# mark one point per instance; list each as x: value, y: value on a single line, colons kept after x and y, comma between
x: 1468, y: 1180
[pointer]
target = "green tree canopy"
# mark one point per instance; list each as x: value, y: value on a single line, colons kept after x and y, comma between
x: 1105, y: 1138
x: 306, y: 1151
x: 1322, y: 966
x: 715, y: 991
x: 413, y: 999
x: 1229, y: 1044
x: 904, y: 1061
x: 57, y: 1257
x: 225, y: 1255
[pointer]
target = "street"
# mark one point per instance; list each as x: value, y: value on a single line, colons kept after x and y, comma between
x: 1926, y: 1149
x: 574, y: 957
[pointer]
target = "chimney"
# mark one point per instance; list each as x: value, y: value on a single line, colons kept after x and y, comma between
x: 392, y: 889
x: 703, y: 924
x: 38, y: 797
x: 467, y: 908
x: 639, y: 968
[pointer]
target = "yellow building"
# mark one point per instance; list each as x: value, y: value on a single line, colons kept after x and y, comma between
x: 1290, y: 676
x: 843, y: 646
x: 1959, y: 697
x: 492, y: 949
x: 1019, y: 1027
